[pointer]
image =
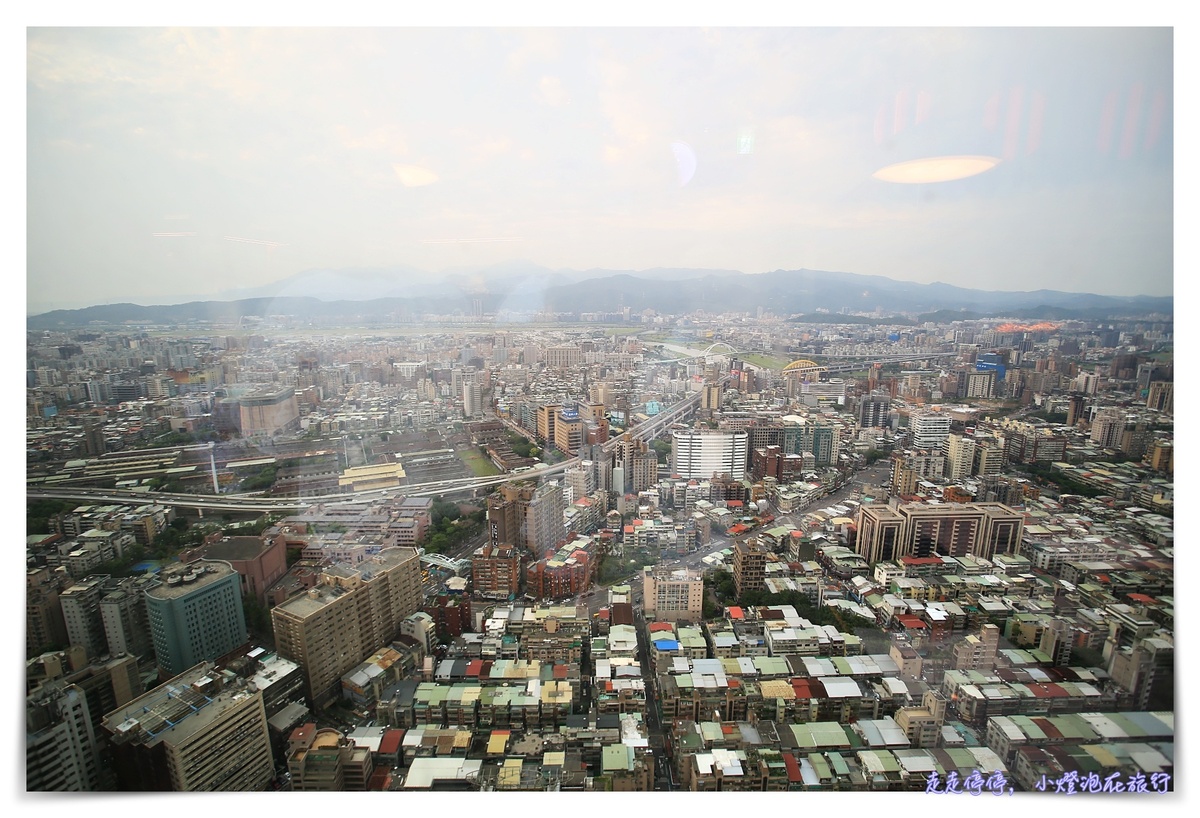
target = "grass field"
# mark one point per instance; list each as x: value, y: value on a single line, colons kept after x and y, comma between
x: 765, y: 361
x: 479, y: 464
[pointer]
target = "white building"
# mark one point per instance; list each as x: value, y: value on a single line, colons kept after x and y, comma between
x: 703, y: 453
x: 929, y: 429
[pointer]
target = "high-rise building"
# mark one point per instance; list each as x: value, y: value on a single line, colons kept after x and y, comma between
x: 711, y: 399
x: 1075, y: 407
x: 1107, y: 428
x: 1161, y: 397
x: 81, y: 610
x: 195, y: 615
x: 60, y: 742
x: 547, y: 418
x: 544, y: 528
x: 989, y: 457
x: 564, y: 356
x: 350, y: 613
x: 1162, y: 456
x: 749, y: 566
x: 1027, y: 443
x: 873, y: 411
x: 268, y: 412
x: 194, y: 733
x: 568, y: 430
x: 959, y: 451
x: 527, y: 516
x: 952, y: 530
x: 703, y: 453
x: 44, y: 623
x: 639, y: 462
x: 496, y: 571
x: 673, y: 594
x: 123, y: 612
x: 880, y: 533
x: 472, y: 397
x: 929, y: 429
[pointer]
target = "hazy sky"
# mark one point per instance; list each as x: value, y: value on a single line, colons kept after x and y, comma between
x: 172, y: 164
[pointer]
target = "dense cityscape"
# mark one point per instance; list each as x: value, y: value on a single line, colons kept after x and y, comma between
x: 612, y: 551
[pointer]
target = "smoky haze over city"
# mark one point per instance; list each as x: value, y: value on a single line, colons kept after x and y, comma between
x: 687, y: 409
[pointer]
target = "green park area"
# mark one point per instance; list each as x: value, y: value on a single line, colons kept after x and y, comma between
x: 765, y: 361
x: 479, y: 463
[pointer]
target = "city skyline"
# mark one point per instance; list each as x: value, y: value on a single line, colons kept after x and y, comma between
x: 191, y: 163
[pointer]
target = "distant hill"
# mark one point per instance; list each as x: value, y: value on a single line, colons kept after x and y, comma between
x: 402, y: 294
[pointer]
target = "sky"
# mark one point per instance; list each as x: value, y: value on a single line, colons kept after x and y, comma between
x: 174, y: 164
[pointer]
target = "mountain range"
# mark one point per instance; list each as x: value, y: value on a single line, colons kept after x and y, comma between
x: 403, y: 294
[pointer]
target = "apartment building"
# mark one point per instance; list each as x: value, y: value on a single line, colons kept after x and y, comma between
x: 346, y: 617
x: 193, y: 733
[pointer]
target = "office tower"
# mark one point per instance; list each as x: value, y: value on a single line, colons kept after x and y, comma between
x: 81, y: 611
x: 873, y: 411
x: 959, y: 452
x: 547, y: 418
x: 703, y: 453
x: 979, y: 529
x: 194, y: 733
x: 568, y: 430
x: 60, y: 743
x: 195, y: 615
x: 953, y: 530
x: 880, y: 533
x: 1161, y: 397
x: 349, y: 614
x: 929, y: 429
x: 673, y: 595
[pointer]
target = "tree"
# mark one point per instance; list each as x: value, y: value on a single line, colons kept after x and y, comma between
x: 258, y: 618
x: 663, y: 449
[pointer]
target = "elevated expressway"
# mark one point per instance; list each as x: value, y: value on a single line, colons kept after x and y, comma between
x: 258, y: 503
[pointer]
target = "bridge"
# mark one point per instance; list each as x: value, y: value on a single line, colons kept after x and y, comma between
x: 833, y: 363
x: 445, y: 563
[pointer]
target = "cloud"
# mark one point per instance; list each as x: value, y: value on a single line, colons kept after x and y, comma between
x: 552, y: 92
x: 414, y: 175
